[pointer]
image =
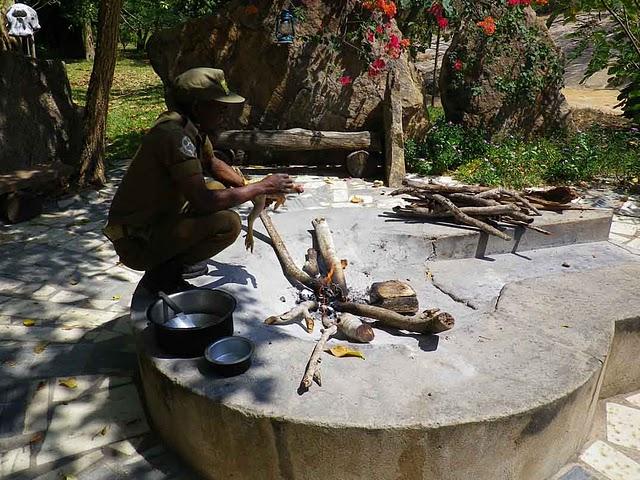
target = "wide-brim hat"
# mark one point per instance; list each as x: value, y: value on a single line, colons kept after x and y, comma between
x: 204, y: 84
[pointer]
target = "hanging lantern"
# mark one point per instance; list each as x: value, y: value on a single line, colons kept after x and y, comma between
x: 285, y: 27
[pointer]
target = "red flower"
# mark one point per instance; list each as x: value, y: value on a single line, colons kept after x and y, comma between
x: 376, y: 67
x: 488, y: 25
x: 379, y: 29
x: 457, y: 65
x: 370, y: 36
x: 443, y: 23
x: 394, y: 41
x: 405, y: 42
x: 346, y: 80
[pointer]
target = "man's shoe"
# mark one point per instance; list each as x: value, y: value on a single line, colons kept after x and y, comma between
x: 195, y: 270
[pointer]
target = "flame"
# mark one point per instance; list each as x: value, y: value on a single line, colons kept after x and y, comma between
x: 329, y: 277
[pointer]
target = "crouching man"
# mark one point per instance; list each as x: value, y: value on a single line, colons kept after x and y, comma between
x: 165, y: 219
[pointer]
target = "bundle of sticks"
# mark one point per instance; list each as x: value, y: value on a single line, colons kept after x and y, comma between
x: 324, y: 275
x: 483, y: 207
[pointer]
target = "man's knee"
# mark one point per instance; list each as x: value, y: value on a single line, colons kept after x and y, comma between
x: 234, y: 223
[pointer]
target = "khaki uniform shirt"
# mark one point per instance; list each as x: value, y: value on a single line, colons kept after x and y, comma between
x: 170, y: 151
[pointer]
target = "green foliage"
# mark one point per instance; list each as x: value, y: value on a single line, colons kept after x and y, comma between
x: 517, y: 163
x: 135, y: 102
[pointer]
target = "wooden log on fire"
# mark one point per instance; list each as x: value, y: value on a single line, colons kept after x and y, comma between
x: 290, y: 269
x: 297, y: 139
x: 394, y: 295
x: 327, y: 251
x: 429, y: 321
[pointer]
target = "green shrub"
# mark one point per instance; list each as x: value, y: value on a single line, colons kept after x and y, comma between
x: 514, y: 162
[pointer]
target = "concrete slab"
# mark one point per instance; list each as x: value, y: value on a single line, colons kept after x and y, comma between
x: 503, y: 395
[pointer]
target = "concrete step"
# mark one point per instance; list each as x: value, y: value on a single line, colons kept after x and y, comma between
x: 509, y: 393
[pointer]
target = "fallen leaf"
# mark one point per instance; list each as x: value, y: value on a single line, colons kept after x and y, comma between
x: 356, y: 199
x: 115, y: 298
x: 40, y: 347
x: 328, y: 180
x: 342, y: 351
x: 29, y: 323
x: 345, y: 263
x: 566, y: 326
x: 378, y: 183
x: 70, y: 383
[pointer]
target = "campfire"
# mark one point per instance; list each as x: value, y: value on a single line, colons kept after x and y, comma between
x: 393, y: 304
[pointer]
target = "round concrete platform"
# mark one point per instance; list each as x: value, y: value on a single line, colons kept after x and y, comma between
x: 508, y: 393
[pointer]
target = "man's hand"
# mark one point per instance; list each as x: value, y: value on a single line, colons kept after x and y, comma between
x: 277, y: 183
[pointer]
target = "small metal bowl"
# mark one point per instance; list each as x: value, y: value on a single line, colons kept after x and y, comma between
x: 230, y: 356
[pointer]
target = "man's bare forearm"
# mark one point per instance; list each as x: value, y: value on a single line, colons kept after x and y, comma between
x: 225, y: 174
x: 224, y: 199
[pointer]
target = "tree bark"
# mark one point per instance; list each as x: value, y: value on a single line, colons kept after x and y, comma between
x: 5, y: 40
x: 87, y: 41
x: 92, y: 151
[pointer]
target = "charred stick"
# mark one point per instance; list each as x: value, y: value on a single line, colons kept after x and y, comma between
x: 429, y: 321
x: 314, y: 361
x: 466, y: 219
x: 311, y: 265
x: 289, y: 267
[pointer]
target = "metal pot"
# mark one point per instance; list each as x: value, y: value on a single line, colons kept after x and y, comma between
x: 208, y: 316
x: 230, y: 356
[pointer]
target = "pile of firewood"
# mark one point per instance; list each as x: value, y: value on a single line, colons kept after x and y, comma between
x: 392, y: 304
x: 483, y: 207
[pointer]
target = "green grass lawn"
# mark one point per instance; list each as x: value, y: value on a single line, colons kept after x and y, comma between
x: 136, y: 100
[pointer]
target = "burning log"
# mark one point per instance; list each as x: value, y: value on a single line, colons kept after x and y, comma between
x: 429, y: 321
x: 311, y: 371
x: 289, y: 267
x: 302, y: 311
x: 329, y: 256
x: 355, y: 329
x: 394, y: 295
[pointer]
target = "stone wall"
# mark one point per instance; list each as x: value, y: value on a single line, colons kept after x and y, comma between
x: 38, y: 120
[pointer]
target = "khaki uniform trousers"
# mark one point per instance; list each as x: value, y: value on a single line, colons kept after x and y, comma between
x: 188, y: 239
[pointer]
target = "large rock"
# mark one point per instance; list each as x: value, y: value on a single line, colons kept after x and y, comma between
x: 38, y: 120
x: 287, y: 86
x: 507, y: 83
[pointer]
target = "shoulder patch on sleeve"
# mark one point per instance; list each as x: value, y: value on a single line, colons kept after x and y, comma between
x: 187, y: 147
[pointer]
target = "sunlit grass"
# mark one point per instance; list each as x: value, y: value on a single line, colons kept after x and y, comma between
x: 136, y: 100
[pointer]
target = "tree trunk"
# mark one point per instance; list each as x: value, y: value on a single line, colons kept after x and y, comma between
x: 87, y: 41
x: 95, y: 119
x: 5, y: 41
x: 141, y: 40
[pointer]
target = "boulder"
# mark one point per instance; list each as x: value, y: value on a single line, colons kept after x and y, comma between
x: 38, y: 119
x: 506, y: 83
x: 288, y: 86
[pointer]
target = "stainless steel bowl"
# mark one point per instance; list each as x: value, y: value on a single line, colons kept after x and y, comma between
x: 230, y: 355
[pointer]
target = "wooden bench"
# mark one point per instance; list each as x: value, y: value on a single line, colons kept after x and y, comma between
x: 21, y: 190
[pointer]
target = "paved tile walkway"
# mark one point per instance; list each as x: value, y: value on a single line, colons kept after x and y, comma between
x: 69, y: 403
